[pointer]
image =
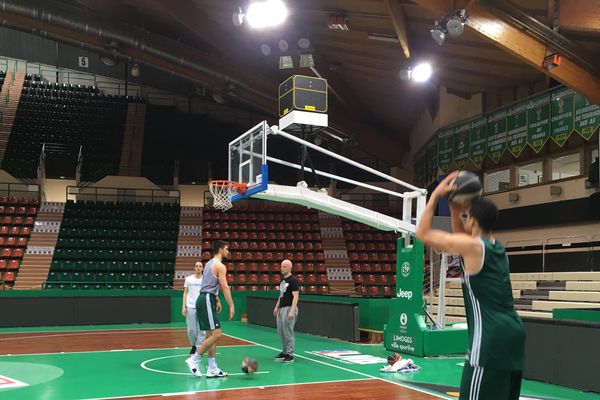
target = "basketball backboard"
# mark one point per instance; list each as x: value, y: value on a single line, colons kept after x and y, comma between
x: 248, y: 160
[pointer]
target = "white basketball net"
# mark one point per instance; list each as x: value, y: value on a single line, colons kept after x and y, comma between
x: 222, y: 192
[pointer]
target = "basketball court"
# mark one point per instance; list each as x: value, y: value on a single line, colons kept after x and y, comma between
x: 146, y: 361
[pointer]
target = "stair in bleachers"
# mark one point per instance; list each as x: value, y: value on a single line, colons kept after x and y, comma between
x: 9, y: 102
x: 115, y: 246
x: 133, y: 140
x: 17, y: 219
x: 372, y: 255
x: 336, y: 254
x: 189, y: 244
x: 37, y: 258
x: 260, y: 237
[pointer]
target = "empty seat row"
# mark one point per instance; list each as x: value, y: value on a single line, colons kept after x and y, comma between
x: 112, y: 266
x: 90, y: 277
x: 15, y: 230
x: 6, y: 220
x: 371, y: 246
x: 19, y: 201
x: 270, y: 256
x: 106, y: 286
x: 251, y: 235
x: 12, y: 210
x: 374, y: 278
x: 373, y: 267
x: 385, y: 291
x: 260, y: 226
x: 263, y: 246
x: 259, y: 217
x: 118, y: 223
x: 370, y: 237
x: 8, y: 252
x: 116, y: 244
x: 110, y: 255
x: 10, y: 265
x: 13, y: 241
x: 376, y: 257
x: 133, y: 234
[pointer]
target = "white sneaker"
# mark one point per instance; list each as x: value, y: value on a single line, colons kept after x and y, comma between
x: 189, y: 359
x: 217, y: 373
x: 194, y: 367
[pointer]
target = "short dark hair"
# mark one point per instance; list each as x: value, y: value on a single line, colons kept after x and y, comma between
x: 485, y: 213
x: 218, y: 245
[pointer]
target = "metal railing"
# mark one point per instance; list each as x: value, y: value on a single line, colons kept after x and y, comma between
x: 548, y: 245
x: 122, y: 195
x: 19, y: 190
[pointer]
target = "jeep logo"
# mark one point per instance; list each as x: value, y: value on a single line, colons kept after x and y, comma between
x: 406, y: 294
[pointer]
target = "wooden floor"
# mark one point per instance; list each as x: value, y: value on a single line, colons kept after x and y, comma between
x: 36, y: 343
x: 55, y: 342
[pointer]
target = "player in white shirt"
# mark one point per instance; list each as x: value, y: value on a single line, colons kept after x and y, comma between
x: 191, y: 290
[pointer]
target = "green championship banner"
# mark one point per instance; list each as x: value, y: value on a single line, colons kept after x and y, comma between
x: 496, y: 135
x: 478, y: 140
x: 516, y: 128
x: 562, y: 124
x: 445, y: 148
x: 538, y: 122
x: 587, y: 116
x: 462, y: 146
x: 432, y: 162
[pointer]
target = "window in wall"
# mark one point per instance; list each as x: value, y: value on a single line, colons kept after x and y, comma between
x: 530, y: 174
x: 566, y: 166
x: 496, y: 181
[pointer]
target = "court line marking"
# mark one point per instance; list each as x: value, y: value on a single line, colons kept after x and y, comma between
x: 346, y: 369
x: 228, y: 389
x: 117, y: 350
x: 143, y: 365
x: 96, y: 330
x: 80, y: 333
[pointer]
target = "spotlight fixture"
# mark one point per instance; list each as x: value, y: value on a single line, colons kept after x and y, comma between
x: 438, y: 33
x: 266, y: 13
x: 453, y: 24
x: 283, y: 45
x: 265, y: 49
x: 456, y: 23
x: 303, y: 43
x: 421, y: 72
x: 405, y: 73
x: 135, y: 70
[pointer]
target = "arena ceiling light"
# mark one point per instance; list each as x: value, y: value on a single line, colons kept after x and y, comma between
x: 438, y: 33
x: 452, y: 24
x: 266, y: 13
x: 421, y: 73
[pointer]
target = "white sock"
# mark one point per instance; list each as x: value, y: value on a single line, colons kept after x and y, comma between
x: 212, y: 363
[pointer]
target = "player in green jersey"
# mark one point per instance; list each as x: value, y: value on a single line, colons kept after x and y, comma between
x: 494, y: 363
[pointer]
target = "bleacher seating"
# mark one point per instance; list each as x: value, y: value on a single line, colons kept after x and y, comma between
x: 536, y: 294
x: 17, y: 216
x: 260, y: 237
x: 115, y: 246
x: 372, y: 255
x: 70, y: 116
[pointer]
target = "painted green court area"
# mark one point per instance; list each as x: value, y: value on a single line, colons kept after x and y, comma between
x: 87, y: 375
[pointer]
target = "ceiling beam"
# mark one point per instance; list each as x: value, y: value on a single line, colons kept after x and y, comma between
x: 398, y: 20
x: 522, y: 45
x: 579, y: 16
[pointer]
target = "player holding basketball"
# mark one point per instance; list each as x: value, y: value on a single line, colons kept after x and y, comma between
x: 496, y: 335
x: 191, y: 290
x: 207, y: 308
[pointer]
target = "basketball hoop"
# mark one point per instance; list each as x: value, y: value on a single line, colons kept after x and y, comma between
x: 223, y: 191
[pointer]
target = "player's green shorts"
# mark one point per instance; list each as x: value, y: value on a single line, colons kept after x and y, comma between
x: 480, y: 383
x: 206, y: 312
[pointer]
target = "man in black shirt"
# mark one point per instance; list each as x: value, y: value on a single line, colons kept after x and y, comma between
x: 286, y: 311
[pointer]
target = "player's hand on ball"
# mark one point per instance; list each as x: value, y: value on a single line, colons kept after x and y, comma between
x: 447, y: 185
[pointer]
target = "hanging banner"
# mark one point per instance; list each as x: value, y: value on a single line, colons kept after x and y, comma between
x: 538, y: 122
x: 432, y: 164
x: 496, y: 135
x: 462, y: 147
x: 587, y: 116
x: 561, y: 115
x: 516, y: 128
x: 445, y: 148
x: 478, y: 140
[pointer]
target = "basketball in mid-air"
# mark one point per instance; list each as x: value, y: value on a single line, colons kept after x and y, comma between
x: 468, y: 188
x: 249, y: 365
